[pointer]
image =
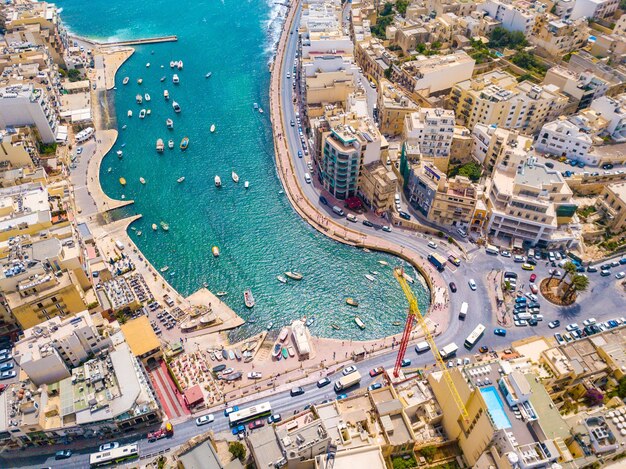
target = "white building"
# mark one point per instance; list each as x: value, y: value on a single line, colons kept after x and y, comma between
x: 432, y: 129
x: 25, y: 105
x: 429, y: 75
x: 614, y: 111
x: 594, y: 8
x: 563, y: 138
x: 512, y: 16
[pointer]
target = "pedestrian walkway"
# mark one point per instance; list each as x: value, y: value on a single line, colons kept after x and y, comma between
x: 168, y: 395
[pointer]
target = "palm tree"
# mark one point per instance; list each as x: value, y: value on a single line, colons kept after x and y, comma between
x: 579, y: 283
x: 570, y: 269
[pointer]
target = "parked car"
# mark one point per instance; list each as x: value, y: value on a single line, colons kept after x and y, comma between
x: 274, y: 419
x: 297, y: 391
x: 387, y: 229
x: 592, y: 268
x: 255, y: 375
x: 367, y: 223
x: 374, y: 387
x: 404, y: 215
x: 377, y: 371
x: 323, y: 200
x: 500, y: 332
x: 323, y: 382
x: 483, y: 349
x: 204, y: 420
x: 256, y: 424
x: 7, y: 374
x: 533, y: 277
x: 571, y: 327
x: 5, y: 357
x: 620, y: 275
x: 559, y: 338
x: 432, y: 244
x: 63, y: 454
x: 6, y: 366
x: 405, y: 362
x: 505, y: 253
x: 527, y: 266
x: 238, y: 430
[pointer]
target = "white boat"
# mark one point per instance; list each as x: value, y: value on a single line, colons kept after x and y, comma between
x: 163, y: 77
x: 283, y: 334
x: 180, y: 65
x: 170, y: 144
x: 175, y: 79
x: 408, y: 277
x: 208, y: 75
x: 169, y: 123
x: 166, y: 95
x: 142, y: 113
x: 129, y: 113
x: 148, y: 112
x: 180, y: 179
x: 383, y: 262
x: 359, y: 322
x: 119, y: 153
x: 218, y: 181
x: 246, y: 184
x: 235, y: 176
x: 109, y: 170
x: 148, y: 65
x: 270, y: 325
x: 140, y: 81
x: 159, y: 145
x: 164, y: 269
x: 261, y: 110
x: 142, y: 180
x: 172, y: 64
x: 369, y: 277
x: 176, y: 106
x: 212, y: 128
x: 154, y: 227
x: 125, y: 81
x: 138, y: 99
x: 294, y: 275
x: 124, y: 126
x: 147, y: 97
x: 255, y: 106
x: 281, y: 278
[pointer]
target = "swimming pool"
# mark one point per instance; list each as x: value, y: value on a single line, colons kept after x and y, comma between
x: 496, y: 407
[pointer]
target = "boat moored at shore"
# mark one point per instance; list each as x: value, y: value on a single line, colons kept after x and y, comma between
x: 125, y: 81
x: 359, y: 323
x: 248, y: 299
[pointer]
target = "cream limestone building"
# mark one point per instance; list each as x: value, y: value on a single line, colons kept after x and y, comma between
x: 378, y: 186
x: 393, y: 106
x: 612, y: 202
x: 492, y: 144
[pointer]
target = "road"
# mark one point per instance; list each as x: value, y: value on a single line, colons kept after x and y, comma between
x: 603, y: 300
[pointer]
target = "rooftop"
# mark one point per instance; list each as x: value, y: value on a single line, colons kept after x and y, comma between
x: 140, y: 336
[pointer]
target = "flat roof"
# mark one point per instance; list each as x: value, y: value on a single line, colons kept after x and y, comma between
x: 139, y: 336
x: 550, y: 418
x: 202, y: 456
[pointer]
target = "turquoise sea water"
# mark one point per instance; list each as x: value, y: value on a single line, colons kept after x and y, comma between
x: 257, y: 231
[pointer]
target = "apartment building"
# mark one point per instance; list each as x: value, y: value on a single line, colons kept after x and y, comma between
x: 497, y: 98
x: 492, y: 145
x: 614, y: 111
x: 581, y: 87
x: 513, y: 15
x: 435, y: 74
x: 321, y: 30
x: 351, y: 143
x: 530, y: 203
x: 612, y: 202
x: 461, y: 146
x: 558, y: 36
x: 25, y: 105
x: 373, y: 58
x: 393, y: 106
x: 433, y: 130
x: 564, y: 138
x: 594, y: 9
x: 455, y: 203
x: 378, y: 187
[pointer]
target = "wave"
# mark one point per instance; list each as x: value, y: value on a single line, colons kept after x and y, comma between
x: 274, y: 25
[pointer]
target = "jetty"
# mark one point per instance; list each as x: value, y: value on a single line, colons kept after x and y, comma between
x: 132, y: 42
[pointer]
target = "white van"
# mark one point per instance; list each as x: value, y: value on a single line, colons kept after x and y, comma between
x: 338, y: 211
x: 490, y: 249
x: 307, y: 178
x: 421, y: 347
x: 119, y: 245
x: 352, y: 218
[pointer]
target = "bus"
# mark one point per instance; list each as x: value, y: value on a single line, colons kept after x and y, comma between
x: 474, y: 336
x: 251, y: 413
x: 114, y: 456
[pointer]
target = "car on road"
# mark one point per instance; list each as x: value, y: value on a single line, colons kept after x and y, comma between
x: 274, y: 419
x: 323, y: 382
x: 230, y: 410
x: 374, y: 387
x: 532, y: 322
x: 592, y: 268
x: 404, y: 215
x: 109, y: 446
x: 500, y: 332
x: 405, y: 362
x: 63, y: 454
x: 386, y: 228
x: 342, y: 396
x: 379, y: 370
x: 554, y: 324
x: 454, y: 260
x: 368, y: 223
x: 299, y: 153
x: 483, y: 349
x: 432, y: 244
x: 256, y: 424
x: 297, y: 391
x: 203, y: 420
x: 620, y: 275
x: 323, y: 200
x: 472, y: 284
x: 462, y: 232
x: 505, y: 253
x: 7, y: 374
x: 348, y: 369
x: 453, y: 287
x: 527, y: 266
x: 533, y: 277
x: 605, y: 273
x: 572, y: 327
x: 79, y: 150
x: 292, y: 123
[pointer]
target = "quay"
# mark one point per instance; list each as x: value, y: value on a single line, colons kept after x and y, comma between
x: 130, y: 42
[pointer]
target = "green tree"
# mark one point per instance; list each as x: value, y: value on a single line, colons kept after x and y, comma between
x: 501, y: 37
x: 379, y: 29
x: 388, y: 73
x: 387, y: 9
x: 401, y: 6
x: 569, y: 269
x: 403, y: 462
x: 621, y: 388
x: 428, y: 452
x: 237, y: 449
x: 74, y: 75
x: 470, y: 170
x: 579, y: 283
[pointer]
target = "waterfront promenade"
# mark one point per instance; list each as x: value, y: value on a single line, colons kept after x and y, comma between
x: 286, y: 171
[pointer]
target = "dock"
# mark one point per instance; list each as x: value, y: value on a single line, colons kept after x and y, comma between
x: 132, y: 42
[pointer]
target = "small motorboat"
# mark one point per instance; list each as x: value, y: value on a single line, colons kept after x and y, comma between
x: 261, y: 110
x: 370, y: 277
x: 397, y: 323
x: 359, y: 323
x: 218, y: 181
x: 140, y: 81
x: 164, y: 269
x: 246, y: 184
x: 284, y: 351
x: 366, y: 250
x: 408, y: 278
x: 208, y: 75
x: 122, y: 181
x: 142, y: 113
x: 176, y: 106
x: 224, y: 354
x: 119, y: 153
x: 172, y: 64
x: 283, y: 334
x: 237, y: 354
x: 221, y: 293
x: 248, y: 298
x: 334, y: 326
x: 294, y: 275
x: 139, y: 233
x: 352, y: 302
x: 235, y: 176
x: 383, y: 262
x: 163, y: 79
x: 129, y: 113
x: 292, y: 352
x: 164, y: 226
x: 166, y: 95
x: 147, y: 97
x: 175, y: 79
x: 231, y: 355
x: 184, y: 143
x: 160, y: 145
x: 276, y: 350
x: 170, y: 144
x: 212, y: 128
x: 374, y: 272
x: 148, y: 65
x: 109, y: 170
x: 309, y: 322
x: 270, y: 325
x: 180, y: 65
x: 255, y: 106
x: 154, y: 227
x: 148, y: 112
x: 169, y: 123
x: 142, y: 180
x: 125, y: 81
x: 124, y: 126
x: 281, y: 279
x: 180, y: 179
x: 123, y: 145
x: 216, y: 251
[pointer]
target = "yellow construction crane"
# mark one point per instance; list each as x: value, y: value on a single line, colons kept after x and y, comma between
x: 415, y: 315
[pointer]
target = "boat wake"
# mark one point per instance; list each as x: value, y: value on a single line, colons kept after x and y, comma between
x: 274, y: 25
